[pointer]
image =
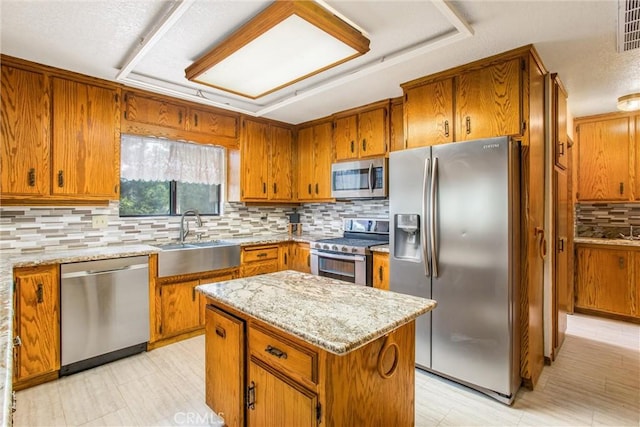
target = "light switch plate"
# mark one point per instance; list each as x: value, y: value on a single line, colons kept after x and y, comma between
x: 99, y: 221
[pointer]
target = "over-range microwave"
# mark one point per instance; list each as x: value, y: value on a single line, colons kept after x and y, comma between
x: 360, y: 179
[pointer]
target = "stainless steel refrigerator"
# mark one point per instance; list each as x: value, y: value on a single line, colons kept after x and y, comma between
x: 454, y: 210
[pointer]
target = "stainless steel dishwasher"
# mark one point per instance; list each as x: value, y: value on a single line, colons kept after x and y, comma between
x: 104, y: 311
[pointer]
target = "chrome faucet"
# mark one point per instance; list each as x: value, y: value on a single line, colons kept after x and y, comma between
x: 184, y: 232
x: 630, y: 236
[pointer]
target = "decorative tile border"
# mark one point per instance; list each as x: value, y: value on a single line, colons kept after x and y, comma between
x: 607, y: 220
x: 33, y: 229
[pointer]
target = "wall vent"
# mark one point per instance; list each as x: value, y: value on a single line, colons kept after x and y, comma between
x: 628, y: 25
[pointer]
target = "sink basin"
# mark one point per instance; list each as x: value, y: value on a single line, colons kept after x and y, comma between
x: 175, y: 258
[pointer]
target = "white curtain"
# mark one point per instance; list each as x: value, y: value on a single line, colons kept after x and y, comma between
x: 153, y: 159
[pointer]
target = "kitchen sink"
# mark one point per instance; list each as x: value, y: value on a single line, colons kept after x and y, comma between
x: 186, y: 258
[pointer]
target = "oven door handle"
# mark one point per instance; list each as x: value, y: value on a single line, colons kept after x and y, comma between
x: 338, y: 256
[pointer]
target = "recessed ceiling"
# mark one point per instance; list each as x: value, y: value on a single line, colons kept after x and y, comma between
x: 409, y: 39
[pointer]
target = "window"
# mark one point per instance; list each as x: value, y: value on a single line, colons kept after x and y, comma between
x: 163, y: 177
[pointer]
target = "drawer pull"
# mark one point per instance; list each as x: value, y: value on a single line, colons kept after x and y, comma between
x: 276, y: 352
x: 221, y: 332
x: 381, y: 356
x: 262, y: 255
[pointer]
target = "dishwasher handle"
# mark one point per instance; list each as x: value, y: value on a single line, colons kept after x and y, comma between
x: 99, y: 272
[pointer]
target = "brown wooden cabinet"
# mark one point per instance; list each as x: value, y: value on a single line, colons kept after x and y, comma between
x: 605, y: 161
x: 428, y: 113
x: 362, y: 134
x: 86, y: 140
x: 290, y: 382
x: 179, y: 308
x: 315, y: 154
x: 635, y: 170
x: 301, y: 257
x: 259, y: 259
x: 24, y: 133
x: 396, y: 138
x: 225, y: 365
x: 381, y: 270
x: 146, y: 113
x: 605, y: 280
x: 488, y: 101
x: 266, y: 156
x: 37, y: 325
x: 560, y: 136
x: 561, y: 293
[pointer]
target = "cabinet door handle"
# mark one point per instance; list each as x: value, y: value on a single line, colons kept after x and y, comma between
x: 380, y: 273
x: 364, y: 144
x: 193, y: 294
x: 221, y: 332
x: 31, y: 177
x: 195, y: 120
x: 251, y: 396
x: 621, y: 263
x: 446, y: 128
x: 308, y: 260
x: 561, y: 245
x: 275, y: 188
x: 285, y: 259
x: 352, y: 146
x: 468, y: 122
x: 622, y: 188
x: 316, y: 188
x: 561, y: 151
x: 40, y: 293
x: 264, y: 188
x: 179, y: 117
x: 60, y: 179
x: 276, y: 352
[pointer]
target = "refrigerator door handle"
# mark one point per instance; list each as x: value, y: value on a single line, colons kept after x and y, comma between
x: 423, y: 226
x: 432, y: 216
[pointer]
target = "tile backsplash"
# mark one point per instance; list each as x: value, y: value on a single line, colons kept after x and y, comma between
x: 607, y: 219
x: 30, y: 229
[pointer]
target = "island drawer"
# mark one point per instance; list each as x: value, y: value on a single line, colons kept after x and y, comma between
x: 284, y: 355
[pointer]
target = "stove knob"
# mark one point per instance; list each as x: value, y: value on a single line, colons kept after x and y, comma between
x: 318, y: 246
x: 354, y: 250
x: 344, y: 249
x: 326, y: 247
x: 334, y: 248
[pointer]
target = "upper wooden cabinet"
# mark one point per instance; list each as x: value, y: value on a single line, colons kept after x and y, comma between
x: 146, y: 113
x: 464, y: 104
x: 428, y: 112
x: 362, y: 134
x: 86, y: 140
x: 266, y: 156
x: 606, y: 167
x: 559, y: 137
x: 635, y: 169
x: 37, y: 323
x: 315, y: 152
x: 24, y: 131
x: 488, y: 101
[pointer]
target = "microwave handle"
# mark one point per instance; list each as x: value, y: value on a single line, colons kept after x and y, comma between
x: 371, y: 177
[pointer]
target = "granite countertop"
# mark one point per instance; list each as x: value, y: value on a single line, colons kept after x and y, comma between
x: 608, y: 242
x: 277, y: 238
x: 331, y: 314
x: 380, y: 248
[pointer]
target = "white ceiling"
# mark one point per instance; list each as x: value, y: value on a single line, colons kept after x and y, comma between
x: 409, y: 39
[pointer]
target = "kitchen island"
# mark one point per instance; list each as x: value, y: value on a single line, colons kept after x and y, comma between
x: 290, y: 348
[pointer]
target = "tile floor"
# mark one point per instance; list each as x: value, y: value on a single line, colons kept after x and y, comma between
x: 594, y: 381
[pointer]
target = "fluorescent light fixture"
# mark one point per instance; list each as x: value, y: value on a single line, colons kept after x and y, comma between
x: 287, y: 42
x: 629, y: 102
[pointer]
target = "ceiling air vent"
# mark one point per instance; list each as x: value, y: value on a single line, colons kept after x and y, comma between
x: 628, y: 25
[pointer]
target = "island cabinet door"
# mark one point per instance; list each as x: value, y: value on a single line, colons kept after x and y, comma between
x: 274, y: 400
x: 224, y: 366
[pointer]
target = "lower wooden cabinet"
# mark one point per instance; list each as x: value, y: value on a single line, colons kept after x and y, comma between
x: 300, y: 257
x: 259, y: 259
x: 606, y: 280
x: 37, y: 325
x: 381, y: 270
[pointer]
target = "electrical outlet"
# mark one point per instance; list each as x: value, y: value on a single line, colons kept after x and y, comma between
x: 99, y: 221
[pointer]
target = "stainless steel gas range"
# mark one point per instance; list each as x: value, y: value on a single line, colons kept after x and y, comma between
x: 349, y: 258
